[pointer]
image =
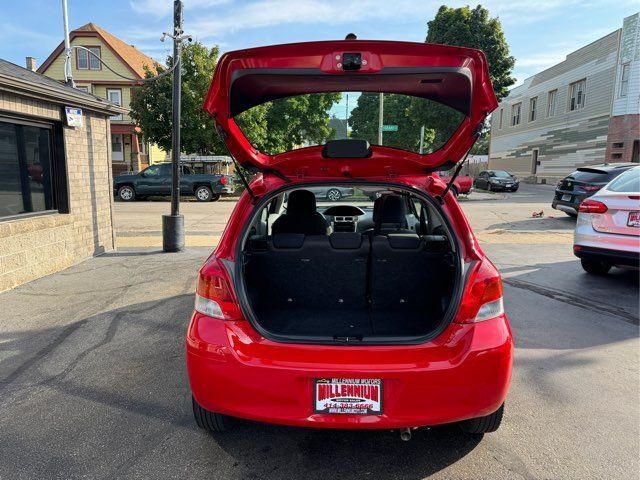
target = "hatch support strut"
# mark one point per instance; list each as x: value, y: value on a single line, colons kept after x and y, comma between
x: 477, y: 134
x: 223, y: 135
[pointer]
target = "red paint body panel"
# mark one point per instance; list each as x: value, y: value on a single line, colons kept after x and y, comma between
x: 462, y: 373
x: 462, y: 182
x: 320, y: 57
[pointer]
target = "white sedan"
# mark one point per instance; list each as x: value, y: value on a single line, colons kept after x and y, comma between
x: 608, y: 227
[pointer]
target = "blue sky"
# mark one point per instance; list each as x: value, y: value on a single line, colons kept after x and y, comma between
x: 540, y: 32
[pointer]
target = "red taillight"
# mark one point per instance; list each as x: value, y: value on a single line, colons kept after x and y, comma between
x: 592, y: 206
x: 592, y: 188
x: 214, y: 295
x: 223, y: 180
x: 482, y: 296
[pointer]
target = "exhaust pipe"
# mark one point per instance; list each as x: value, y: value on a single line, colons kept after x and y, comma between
x: 405, y: 434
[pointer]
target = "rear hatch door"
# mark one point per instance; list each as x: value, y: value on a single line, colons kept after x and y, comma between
x: 452, y: 76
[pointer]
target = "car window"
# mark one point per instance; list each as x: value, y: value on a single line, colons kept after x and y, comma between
x: 313, y: 119
x: 165, y: 169
x: 595, y: 175
x: 628, y: 182
x: 153, y: 170
x: 501, y: 174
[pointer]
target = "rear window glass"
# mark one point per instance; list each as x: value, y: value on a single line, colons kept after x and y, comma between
x: 499, y: 174
x: 408, y: 123
x: 595, y: 176
x: 628, y: 182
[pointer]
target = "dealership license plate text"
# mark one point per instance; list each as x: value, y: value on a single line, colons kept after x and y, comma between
x: 355, y: 396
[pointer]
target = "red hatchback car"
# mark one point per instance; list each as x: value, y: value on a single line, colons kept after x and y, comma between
x: 358, y: 313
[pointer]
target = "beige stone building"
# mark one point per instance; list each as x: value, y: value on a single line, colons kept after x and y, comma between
x: 56, y: 200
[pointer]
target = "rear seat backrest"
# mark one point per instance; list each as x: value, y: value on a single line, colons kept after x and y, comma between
x: 311, y: 271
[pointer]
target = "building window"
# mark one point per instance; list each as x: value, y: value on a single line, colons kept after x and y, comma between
x: 114, y: 95
x: 501, y: 117
x: 624, y: 81
x: 86, y: 61
x: 616, y: 156
x: 551, y: 103
x: 83, y: 88
x: 26, y: 169
x: 515, y: 114
x: 577, y: 94
x: 618, y: 145
x: 533, y: 108
x: 143, y: 144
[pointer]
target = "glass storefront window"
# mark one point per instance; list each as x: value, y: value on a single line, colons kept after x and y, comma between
x: 25, y: 169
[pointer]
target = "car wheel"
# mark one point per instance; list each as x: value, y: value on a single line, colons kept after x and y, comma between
x: 489, y: 188
x: 487, y: 424
x: 210, y: 421
x: 334, y: 194
x: 126, y: 193
x: 215, y: 197
x: 595, y: 267
x: 454, y: 190
x: 203, y: 194
x: 572, y: 215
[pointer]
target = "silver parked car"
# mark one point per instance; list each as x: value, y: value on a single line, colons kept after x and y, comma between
x: 608, y: 228
x: 332, y: 193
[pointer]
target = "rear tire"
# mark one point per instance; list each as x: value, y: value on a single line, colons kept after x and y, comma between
x: 210, y: 421
x: 126, y: 193
x: 595, y: 267
x: 215, y: 197
x: 487, y: 424
x: 203, y: 194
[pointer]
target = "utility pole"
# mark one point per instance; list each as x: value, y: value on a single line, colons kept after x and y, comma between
x: 173, y: 225
x: 68, y: 73
x: 380, y: 118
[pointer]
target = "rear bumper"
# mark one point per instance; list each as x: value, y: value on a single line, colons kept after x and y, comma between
x: 615, y: 257
x: 504, y: 188
x: 464, y: 373
x: 567, y: 207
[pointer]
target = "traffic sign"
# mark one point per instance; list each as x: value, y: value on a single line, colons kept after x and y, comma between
x: 389, y: 128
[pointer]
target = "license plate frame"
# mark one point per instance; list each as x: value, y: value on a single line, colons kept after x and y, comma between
x: 566, y: 197
x: 360, y: 396
x: 633, y: 220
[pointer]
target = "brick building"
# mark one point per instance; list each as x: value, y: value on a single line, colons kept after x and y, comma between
x: 582, y: 111
x: 55, y: 180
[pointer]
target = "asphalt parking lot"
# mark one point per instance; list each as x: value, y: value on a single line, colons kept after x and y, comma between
x: 93, y: 384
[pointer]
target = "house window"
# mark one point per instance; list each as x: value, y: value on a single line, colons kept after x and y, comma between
x: 616, y: 156
x: 114, y: 95
x: 551, y: 103
x: 577, y: 94
x: 143, y: 144
x: 83, y: 88
x: 533, y: 104
x: 624, y: 81
x: 26, y: 163
x: 86, y: 61
x: 618, y: 145
x: 515, y: 114
x: 501, y: 117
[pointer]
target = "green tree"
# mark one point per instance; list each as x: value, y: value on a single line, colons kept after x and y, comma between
x: 397, y: 111
x: 287, y: 123
x: 473, y: 28
x: 151, y: 105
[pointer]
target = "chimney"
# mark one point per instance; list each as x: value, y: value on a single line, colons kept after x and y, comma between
x: 31, y: 64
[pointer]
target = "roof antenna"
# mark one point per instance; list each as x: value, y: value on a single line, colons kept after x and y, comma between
x: 351, y: 36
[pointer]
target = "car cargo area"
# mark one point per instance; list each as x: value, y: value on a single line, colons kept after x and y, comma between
x: 388, y: 269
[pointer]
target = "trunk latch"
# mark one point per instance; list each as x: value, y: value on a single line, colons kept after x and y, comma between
x: 347, y: 338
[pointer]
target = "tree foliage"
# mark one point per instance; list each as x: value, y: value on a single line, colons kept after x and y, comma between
x: 287, y: 123
x: 473, y: 28
x: 272, y: 127
x: 151, y: 105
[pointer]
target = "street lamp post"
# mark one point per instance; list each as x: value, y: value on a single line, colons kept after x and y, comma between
x: 173, y: 224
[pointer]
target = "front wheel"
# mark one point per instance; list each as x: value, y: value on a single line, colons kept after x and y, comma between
x: 595, y: 267
x: 210, y: 421
x: 203, y: 194
x: 126, y: 193
x: 334, y: 194
x: 487, y: 424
